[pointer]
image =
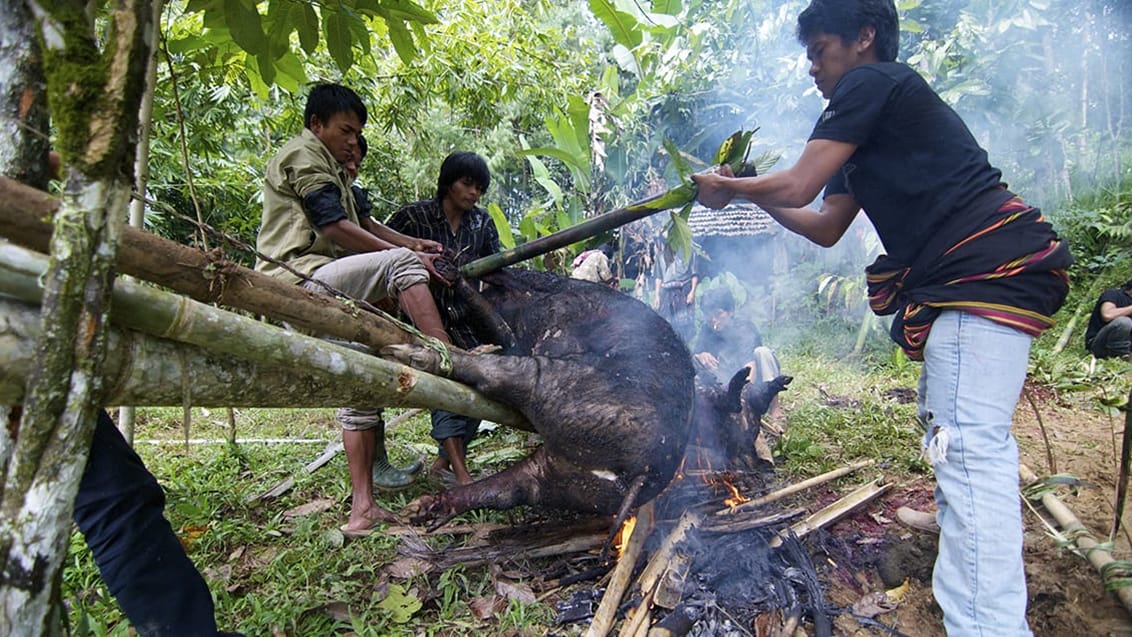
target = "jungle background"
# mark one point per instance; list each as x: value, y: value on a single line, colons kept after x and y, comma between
x: 571, y: 104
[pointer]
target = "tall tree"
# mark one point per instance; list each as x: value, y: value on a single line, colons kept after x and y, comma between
x: 94, y: 88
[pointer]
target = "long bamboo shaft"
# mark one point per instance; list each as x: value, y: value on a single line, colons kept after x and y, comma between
x: 205, y: 277
x: 294, y: 370
x: 573, y: 234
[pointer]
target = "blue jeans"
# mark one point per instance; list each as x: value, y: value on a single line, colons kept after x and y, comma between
x: 972, y: 375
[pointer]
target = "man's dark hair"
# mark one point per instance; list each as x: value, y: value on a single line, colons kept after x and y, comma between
x: 846, y: 18
x: 327, y: 99
x: 718, y: 299
x: 458, y: 165
x: 363, y: 147
x: 1127, y: 285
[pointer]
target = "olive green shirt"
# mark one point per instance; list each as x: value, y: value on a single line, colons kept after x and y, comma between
x: 301, y: 167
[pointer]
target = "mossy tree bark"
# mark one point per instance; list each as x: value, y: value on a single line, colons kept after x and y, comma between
x: 93, y: 96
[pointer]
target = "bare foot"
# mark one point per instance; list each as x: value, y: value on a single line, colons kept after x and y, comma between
x: 364, y: 521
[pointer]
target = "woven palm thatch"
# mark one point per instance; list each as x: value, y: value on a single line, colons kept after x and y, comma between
x: 739, y: 219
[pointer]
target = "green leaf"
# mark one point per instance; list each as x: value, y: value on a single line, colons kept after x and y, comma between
x: 624, y: 27
x: 667, y: 7
x: 542, y: 176
x: 402, y: 40
x: 565, y: 157
x: 245, y: 25
x: 679, y: 233
x: 400, y: 604
x: 409, y: 12
x: 266, y: 67
x: 306, y: 23
x: 678, y: 161
x: 339, y: 41
x: 503, y: 227
x: 291, y: 73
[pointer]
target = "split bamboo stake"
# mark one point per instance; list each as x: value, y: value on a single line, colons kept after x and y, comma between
x: 1099, y: 555
x: 622, y: 573
x: 796, y: 487
x: 834, y: 512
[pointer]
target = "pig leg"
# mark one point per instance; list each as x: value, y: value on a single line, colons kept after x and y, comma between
x: 517, y: 485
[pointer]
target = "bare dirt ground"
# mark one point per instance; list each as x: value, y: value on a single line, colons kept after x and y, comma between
x: 872, y: 552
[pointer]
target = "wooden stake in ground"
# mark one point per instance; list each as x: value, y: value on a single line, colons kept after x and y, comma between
x: 622, y: 573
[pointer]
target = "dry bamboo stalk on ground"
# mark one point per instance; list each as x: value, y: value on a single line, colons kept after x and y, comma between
x: 796, y: 487
x: 835, y: 511
x: 1099, y: 555
x: 746, y: 524
x: 331, y: 450
x: 620, y: 577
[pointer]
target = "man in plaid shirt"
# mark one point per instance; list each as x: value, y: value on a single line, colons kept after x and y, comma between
x: 468, y: 232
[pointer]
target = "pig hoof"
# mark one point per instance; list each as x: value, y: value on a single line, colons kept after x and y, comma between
x: 431, y: 509
x: 419, y: 357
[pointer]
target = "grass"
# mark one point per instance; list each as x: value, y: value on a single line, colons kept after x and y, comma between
x: 272, y: 574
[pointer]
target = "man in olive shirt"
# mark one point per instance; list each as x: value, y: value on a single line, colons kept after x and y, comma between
x: 312, y: 223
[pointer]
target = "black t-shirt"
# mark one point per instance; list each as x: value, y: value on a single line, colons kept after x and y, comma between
x: 916, y: 167
x: 1117, y: 297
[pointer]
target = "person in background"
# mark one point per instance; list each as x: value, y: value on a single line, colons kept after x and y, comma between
x: 675, y: 292
x: 1110, y: 325
x: 593, y: 265
x: 312, y: 223
x: 972, y: 274
x: 726, y: 343
x: 466, y: 232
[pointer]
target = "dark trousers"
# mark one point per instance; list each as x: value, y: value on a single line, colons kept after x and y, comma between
x: 120, y: 510
x: 446, y: 424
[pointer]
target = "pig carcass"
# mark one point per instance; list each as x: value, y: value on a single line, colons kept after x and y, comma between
x: 602, y: 378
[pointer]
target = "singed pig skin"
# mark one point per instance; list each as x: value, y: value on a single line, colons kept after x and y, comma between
x: 601, y: 377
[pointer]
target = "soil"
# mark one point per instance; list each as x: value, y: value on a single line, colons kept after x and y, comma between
x: 871, y: 551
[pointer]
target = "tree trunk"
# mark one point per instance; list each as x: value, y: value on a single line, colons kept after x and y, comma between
x: 23, y: 101
x: 206, y: 277
x: 93, y: 96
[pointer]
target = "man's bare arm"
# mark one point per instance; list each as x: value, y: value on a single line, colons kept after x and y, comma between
x: 1109, y: 311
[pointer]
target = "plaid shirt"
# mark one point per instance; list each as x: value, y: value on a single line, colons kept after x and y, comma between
x: 475, y: 238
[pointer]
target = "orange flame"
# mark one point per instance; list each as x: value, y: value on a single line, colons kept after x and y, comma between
x: 624, y: 534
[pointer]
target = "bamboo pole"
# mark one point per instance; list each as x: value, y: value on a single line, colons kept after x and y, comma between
x: 208, y: 278
x: 796, y: 487
x: 588, y: 228
x: 622, y: 574
x: 835, y: 511
x: 266, y: 365
x: 1099, y: 555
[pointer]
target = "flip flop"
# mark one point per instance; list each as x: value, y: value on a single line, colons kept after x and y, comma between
x: 357, y: 533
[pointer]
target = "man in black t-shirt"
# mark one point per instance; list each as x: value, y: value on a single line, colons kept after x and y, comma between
x: 971, y: 275
x: 1110, y: 326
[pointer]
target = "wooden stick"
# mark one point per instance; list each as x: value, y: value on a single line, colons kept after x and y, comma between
x: 638, y: 617
x: 286, y: 484
x: 663, y: 554
x: 1099, y: 555
x: 622, y: 573
x: 746, y: 524
x: 1125, y: 467
x: 835, y: 511
x: 796, y: 487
